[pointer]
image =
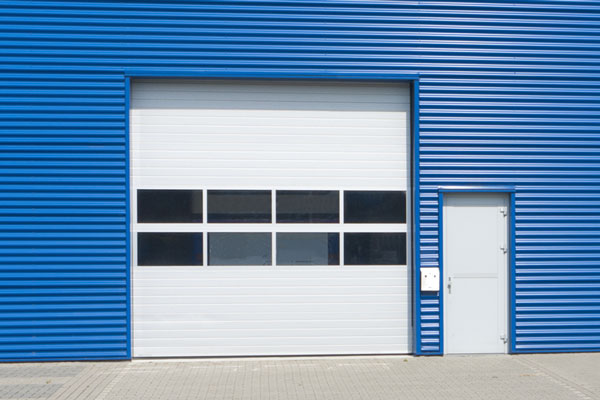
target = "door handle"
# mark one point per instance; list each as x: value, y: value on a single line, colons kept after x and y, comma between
x: 449, y: 285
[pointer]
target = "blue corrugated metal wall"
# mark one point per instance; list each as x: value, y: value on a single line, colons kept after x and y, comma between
x: 509, y: 95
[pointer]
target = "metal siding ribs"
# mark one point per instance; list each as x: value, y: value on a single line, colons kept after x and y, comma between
x: 509, y: 95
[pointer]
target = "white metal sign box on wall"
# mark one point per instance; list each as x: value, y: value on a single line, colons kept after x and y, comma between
x: 502, y: 170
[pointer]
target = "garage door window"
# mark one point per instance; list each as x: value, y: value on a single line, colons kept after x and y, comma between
x: 308, y: 206
x: 169, y: 248
x: 169, y: 206
x: 308, y: 248
x: 375, y: 248
x: 239, y: 206
x: 234, y: 248
x: 311, y: 227
x: 376, y: 207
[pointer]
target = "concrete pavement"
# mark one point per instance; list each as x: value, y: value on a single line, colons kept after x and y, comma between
x: 551, y: 376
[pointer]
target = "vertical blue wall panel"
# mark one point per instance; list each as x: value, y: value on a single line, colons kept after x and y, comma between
x: 509, y: 95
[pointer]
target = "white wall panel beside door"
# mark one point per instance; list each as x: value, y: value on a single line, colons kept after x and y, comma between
x: 235, y: 135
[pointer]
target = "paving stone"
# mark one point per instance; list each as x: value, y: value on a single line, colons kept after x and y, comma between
x: 28, y: 391
x: 45, y: 370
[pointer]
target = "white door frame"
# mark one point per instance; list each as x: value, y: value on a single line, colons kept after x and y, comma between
x: 510, y: 273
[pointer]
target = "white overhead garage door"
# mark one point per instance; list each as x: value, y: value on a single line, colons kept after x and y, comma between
x: 269, y: 218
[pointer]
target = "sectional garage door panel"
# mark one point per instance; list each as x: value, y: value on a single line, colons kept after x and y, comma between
x: 215, y: 138
x: 229, y: 134
x: 271, y: 312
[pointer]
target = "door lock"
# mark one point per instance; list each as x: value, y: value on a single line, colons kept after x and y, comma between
x: 449, y: 285
x: 503, y: 249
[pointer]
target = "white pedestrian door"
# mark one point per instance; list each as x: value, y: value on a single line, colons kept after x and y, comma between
x: 475, y: 240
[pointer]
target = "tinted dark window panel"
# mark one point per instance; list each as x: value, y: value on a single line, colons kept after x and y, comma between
x: 375, y: 248
x: 375, y: 207
x: 308, y: 249
x: 230, y: 206
x: 169, y: 248
x: 169, y: 206
x: 239, y: 249
x: 308, y: 206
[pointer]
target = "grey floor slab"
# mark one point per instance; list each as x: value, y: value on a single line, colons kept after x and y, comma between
x: 556, y: 376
